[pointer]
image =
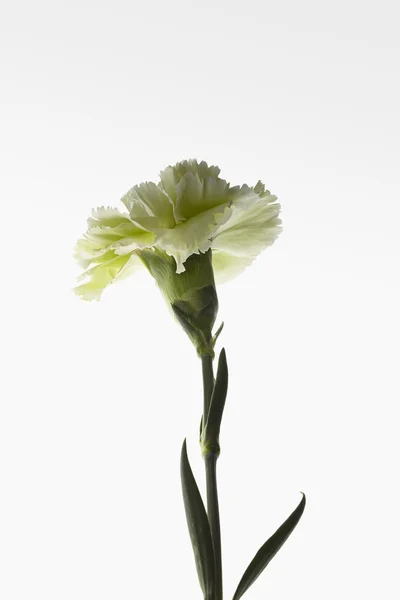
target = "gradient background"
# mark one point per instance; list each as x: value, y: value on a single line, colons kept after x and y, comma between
x: 99, y: 96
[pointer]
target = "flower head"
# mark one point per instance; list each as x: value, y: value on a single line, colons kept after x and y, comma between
x: 190, y: 211
x: 185, y: 229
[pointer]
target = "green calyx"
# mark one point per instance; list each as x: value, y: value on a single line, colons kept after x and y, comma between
x: 191, y: 295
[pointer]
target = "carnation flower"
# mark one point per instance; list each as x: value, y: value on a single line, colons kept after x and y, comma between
x: 189, y: 230
x: 190, y: 211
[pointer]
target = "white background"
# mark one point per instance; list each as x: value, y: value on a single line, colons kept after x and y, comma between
x: 99, y: 96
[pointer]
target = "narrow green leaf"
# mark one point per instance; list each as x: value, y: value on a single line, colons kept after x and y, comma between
x: 217, y: 334
x: 217, y: 404
x: 199, y: 528
x: 267, y: 552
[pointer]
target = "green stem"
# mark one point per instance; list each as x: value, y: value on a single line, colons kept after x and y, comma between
x: 208, y: 383
x: 210, y: 460
x: 213, y: 517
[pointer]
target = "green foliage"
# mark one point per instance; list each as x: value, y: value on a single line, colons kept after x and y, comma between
x: 199, y: 528
x: 267, y: 552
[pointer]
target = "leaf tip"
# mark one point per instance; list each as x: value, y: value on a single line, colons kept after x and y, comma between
x: 184, y: 448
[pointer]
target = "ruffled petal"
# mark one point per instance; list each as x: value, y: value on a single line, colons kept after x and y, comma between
x: 97, y: 260
x: 105, y: 273
x: 254, y: 223
x: 167, y: 183
x: 227, y: 266
x: 148, y: 200
x: 195, y: 194
x: 106, y: 216
x: 107, y: 228
x: 193, y: 166
x: 193, y: 236
x: 171, y: 176
x: 131, y: 243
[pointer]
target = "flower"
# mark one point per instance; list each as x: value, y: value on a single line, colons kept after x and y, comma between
x: 190, y: 211
x: 188, y: 228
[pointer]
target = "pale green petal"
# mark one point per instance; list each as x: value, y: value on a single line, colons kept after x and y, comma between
x: 127, y: 227
x: 254, y: 223
x: 189, y: 193
x: 148, y: 200
x: 96, y: 240
x: 192, y: 236
x: 106, y: 216
x: 102, y: 237
x: 84, y: 252
x: 97, y: 260
x: 112, y: 237
x: 101, y: 275
x: 192, y: 166
x: 167, y: 183
x: 134, y: 204
x: 171, y: 176
x: 195, y: 195
x: 90, y: 248
x: 130, y: 243
x: 134, y: 264
x: 227, y: 266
